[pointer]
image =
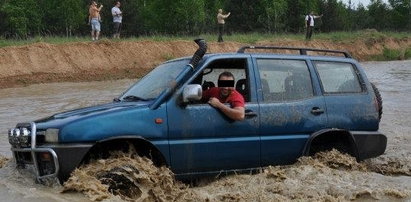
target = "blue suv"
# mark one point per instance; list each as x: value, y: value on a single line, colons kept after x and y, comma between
x: 296, y: 104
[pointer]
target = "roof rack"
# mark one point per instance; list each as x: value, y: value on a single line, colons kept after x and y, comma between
x: 303, y: 51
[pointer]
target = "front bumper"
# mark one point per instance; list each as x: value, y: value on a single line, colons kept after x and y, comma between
x: 50, y: 160
x: 43, y: 169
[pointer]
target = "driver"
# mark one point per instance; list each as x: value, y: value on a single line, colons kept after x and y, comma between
x: 225, y: 93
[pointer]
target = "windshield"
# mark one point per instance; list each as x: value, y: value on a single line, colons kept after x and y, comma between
x: 155, y: 82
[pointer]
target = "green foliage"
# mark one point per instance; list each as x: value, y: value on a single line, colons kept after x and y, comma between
x: 28, y: 18
x: 22, y: 17
x: 172, y: 17
x: 71, y: 15
x: 407, y: 53
x: 295, y: 16
x: 274, y: 15
x: 393, y: 54
x: 378, y: 12
x: 335, y: 15
x: 400, y: 14
x: 244, y: 15
x: 360, y: 19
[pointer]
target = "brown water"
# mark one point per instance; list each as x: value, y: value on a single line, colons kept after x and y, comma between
x: 329, y: 177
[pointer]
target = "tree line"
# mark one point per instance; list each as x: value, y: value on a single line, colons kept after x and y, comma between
x: 28, y: 18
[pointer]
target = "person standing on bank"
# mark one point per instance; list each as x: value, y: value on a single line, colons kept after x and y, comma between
x: 309, y: 24
x: 221, y: 21
x: 94, y: 20
x: 117, y: 18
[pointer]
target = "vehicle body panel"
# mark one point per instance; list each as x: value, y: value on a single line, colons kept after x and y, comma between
x: 202, y: 139
x: 286, y: 125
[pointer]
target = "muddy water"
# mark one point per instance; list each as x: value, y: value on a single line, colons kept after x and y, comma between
x: 333, y: 179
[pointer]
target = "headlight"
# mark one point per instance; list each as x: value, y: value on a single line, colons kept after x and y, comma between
x: 24, y: 135
x: 10, y: 133
x: 24, y: 132
x: 16, y: 135
x: 52, y: 135
x: 16, y: 132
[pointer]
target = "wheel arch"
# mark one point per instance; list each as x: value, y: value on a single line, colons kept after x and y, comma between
x: 327, y: 139
x: 121, y: 143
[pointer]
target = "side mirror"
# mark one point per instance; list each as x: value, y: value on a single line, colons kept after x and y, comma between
x: 192, y: 92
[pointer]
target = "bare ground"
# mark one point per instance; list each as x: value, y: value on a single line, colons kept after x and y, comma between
x: 107, y: 60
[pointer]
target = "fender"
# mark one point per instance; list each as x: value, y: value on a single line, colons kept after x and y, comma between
x: 157, y: 151
x: 313, y: 136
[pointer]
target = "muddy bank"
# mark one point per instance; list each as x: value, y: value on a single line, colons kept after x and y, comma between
x: 107, y: 60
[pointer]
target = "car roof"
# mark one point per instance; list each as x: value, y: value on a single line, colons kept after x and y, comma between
x: 297, y: 53
x: 277, y: 56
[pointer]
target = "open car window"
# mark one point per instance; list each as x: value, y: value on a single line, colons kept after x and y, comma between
x: 209, y: 76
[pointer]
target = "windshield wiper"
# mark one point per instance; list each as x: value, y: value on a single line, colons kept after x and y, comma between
x: 133, y: 98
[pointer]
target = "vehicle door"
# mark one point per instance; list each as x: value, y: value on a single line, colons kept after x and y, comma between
x: 203, y: 139
x: 349, y: 104
x: 291, y: 107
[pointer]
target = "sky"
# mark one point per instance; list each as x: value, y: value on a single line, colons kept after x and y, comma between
x: 364, y: 2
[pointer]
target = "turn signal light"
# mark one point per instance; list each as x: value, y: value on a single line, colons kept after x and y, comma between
x: 45, y: 156
x: 158, y: 121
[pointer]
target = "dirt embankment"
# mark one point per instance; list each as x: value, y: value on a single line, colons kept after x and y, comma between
x: 104, y: 60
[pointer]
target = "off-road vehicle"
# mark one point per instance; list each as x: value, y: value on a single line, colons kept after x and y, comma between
x: 297, y: 102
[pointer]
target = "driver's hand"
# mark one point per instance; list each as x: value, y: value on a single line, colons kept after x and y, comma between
x: 214, y: 102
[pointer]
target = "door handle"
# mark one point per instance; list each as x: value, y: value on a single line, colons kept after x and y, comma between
x: 249, y: 114
x: 317, y: 111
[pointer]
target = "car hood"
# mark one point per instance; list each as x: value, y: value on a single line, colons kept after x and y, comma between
x: 60, y: 119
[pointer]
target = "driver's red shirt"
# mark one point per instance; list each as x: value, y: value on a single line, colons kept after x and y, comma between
x: 235, y: 99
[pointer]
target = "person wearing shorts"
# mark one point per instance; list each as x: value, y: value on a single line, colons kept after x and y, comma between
x: 117, y: 19
x: 94, y: 20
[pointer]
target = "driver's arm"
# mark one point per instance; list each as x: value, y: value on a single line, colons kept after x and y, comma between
x: 236, y: 113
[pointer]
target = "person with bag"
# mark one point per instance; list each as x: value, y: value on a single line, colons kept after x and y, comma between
x: 309, y: 24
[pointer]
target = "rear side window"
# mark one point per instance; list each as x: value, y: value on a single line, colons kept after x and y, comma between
x: 338, y: 77
x: 284, y: 80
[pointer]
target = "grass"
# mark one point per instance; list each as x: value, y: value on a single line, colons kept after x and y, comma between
x: 38, y: 39
x: 249, y: 38
x: 393, y: 54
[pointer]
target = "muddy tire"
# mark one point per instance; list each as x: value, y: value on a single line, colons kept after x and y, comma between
x: 379, y: 100
x: 121, y: 181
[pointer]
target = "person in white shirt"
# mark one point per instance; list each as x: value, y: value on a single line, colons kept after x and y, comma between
x: 309, y: 24
x: 117, y: 19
